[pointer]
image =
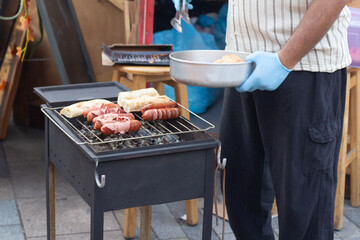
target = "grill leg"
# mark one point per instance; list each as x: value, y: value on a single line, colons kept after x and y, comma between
x: 208, y: 198
x: 50, y: 188
x: 207, y: 218
x: 50, y: 201
x: 97, y: 222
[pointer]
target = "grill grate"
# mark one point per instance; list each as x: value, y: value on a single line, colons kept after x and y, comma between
x: 169, y: 130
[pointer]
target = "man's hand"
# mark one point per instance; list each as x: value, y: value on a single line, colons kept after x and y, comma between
x: 268, y: 74
x: 177, y: 4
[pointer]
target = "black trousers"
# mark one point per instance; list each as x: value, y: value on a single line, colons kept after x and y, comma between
x: 285, y: 142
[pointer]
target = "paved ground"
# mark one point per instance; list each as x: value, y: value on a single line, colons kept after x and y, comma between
x: 23, y: 210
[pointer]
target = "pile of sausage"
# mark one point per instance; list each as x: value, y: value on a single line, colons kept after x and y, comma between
x: 109, y: 118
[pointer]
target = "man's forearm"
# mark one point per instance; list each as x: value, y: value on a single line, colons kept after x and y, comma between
x: 317, y: 21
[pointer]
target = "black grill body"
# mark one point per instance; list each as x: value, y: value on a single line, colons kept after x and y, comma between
x: 134, y: 177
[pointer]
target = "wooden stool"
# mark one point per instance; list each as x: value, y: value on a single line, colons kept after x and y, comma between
x: 350, y: 148
x: 136, y: 77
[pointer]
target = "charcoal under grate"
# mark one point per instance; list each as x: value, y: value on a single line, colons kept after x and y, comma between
x: 142, y: 138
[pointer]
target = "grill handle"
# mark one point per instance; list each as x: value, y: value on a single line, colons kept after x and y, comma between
x: 99, y: 183
x: 220, y: 167
x: 221, y: 164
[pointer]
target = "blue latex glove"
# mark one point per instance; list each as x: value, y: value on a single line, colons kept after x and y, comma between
x: 177, y: 4
x: 268, y: 74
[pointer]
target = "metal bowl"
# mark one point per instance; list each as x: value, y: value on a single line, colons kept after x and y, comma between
x: 197, y: 68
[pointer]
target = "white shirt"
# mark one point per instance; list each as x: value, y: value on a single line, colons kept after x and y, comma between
x: 266, y: 25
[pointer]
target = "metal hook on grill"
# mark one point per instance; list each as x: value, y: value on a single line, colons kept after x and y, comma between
x: 220, y: 167
x: 99, y: 183
x: 221, y: 164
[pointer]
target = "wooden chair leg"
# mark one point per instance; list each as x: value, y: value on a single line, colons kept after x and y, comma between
x: 355, y: 142
x: 340, y: 189
x: 354, y: 183
x: 145, y: 223
x: 192, y: 217
x: 139, y: 82
x: 116, y: 76
x: 159, y: 86
x: 126, y: 82
x: 130, y: 223
x: 182, y: 98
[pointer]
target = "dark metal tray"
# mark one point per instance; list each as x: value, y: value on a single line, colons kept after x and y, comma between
x: 147, y: 55
x: 79, y: 92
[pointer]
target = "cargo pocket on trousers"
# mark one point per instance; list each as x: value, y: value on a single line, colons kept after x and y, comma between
x: 320, y: 148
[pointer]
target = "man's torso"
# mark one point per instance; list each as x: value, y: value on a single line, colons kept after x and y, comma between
x: 262, y: 25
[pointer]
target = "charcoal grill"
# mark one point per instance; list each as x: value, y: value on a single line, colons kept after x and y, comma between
x: 110, y: 176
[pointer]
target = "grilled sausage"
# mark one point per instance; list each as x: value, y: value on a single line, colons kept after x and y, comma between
x: 98, y: 106
x: 120, y: 127
x: 111, y: 117
x: 94, y: 113
x: 159, y: 106
x: 161, y: 114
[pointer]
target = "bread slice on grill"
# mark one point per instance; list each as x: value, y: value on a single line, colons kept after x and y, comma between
x: 146, y: 92
x: 76, y: 109
x: 134, y: 105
